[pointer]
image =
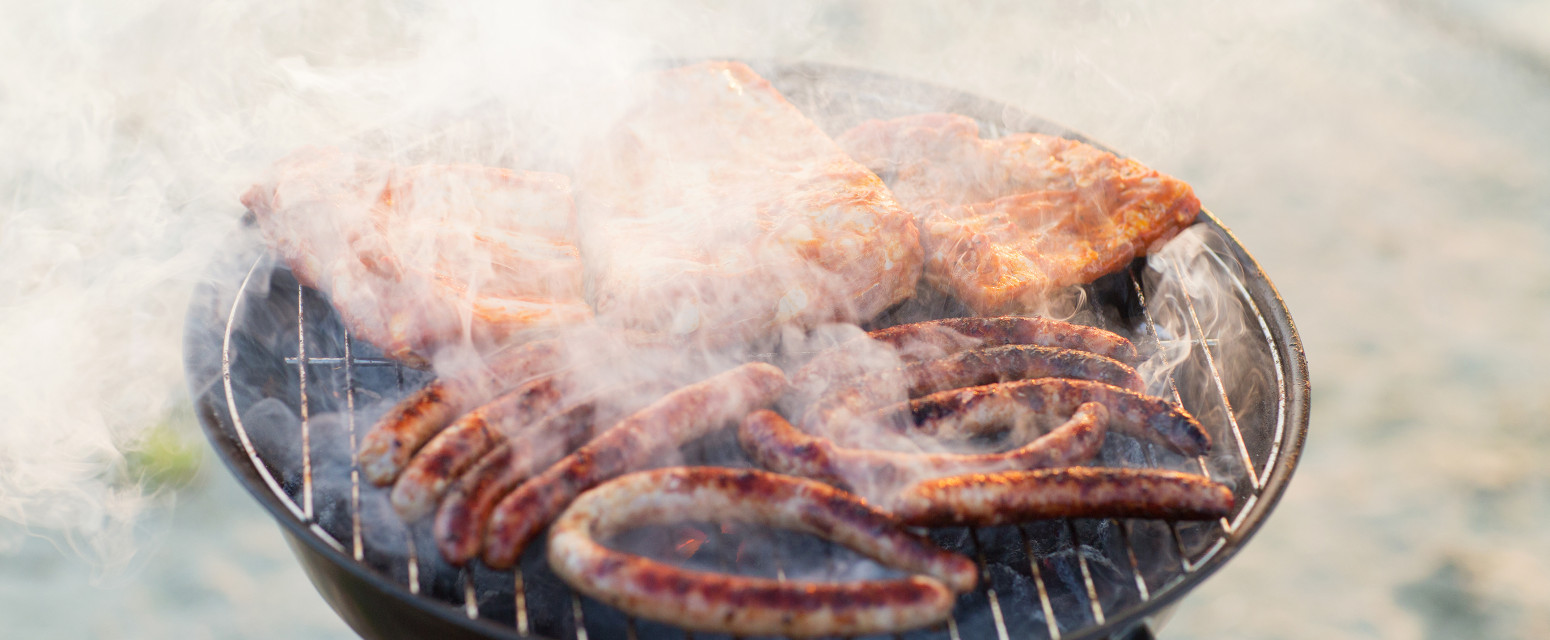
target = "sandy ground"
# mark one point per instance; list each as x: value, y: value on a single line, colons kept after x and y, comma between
x: 1387, y: 162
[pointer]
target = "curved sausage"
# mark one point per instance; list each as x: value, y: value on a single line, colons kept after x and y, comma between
x: 449, y: 453
x: 744, y: 605
x: 778, y: 446
x: 949, y: 335
x: 938, y: 338
x: 399, y: 433
x: 1135, y: 414
x: 1016, y: 362
x: 635, y: 442
x: 833, y: 413
x: 1076, y: 492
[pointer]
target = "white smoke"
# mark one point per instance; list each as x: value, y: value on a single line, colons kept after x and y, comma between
x: 127, y: 131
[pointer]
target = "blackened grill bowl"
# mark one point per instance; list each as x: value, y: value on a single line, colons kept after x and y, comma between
x: 244, y: 352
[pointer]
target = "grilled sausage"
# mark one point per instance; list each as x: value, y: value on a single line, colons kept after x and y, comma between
x: 1076, y: 492
x: 448, y: 454
x: 388, y: 445
x: 635, y: 442
x: 1016, y: 362
x: 833, y: 413
x: 948, y: 335
x: 1132, y: 413
x: 778, y: 446
x: 460, y: 520
x: 744, y: 605
x: 938, y: 338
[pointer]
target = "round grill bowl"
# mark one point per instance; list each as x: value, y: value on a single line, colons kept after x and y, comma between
x: 283, y: 393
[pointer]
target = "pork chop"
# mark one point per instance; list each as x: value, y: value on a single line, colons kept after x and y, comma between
x: 1005, y: 221
x: 714, y: 207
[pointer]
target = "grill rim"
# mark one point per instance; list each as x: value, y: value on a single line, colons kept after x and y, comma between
x: 355, y: 590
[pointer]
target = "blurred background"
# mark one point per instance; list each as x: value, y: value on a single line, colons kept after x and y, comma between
x: 1387, y: 162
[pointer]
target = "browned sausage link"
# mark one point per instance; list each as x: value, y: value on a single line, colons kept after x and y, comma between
x: 637, y: 441
x: 947, y: 335
x: 778, y: 446
x: 458, y: 527
x: 1131, y: 413
x: 938, y: 338
x: 426, y: 476
x: 1016, y: 362
x: 1077, y: 492
x: 965, y: 369
x: 744, y: 605
x: 388, y: 445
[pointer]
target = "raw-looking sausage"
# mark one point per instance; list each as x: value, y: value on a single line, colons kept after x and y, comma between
x: 747, y: 605
x: 399, y: 433
x: 1076, y: 492
x: 637, y: 441
x: 778, y: 446
x: 1131, y: 413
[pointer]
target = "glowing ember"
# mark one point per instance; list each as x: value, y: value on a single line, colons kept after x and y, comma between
x: 690, y: 543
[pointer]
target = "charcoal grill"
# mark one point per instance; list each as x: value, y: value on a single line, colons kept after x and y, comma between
x: 284, y: 393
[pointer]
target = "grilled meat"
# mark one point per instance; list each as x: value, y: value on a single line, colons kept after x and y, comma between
x: 834, y: 413
x: 458, y: 527
x: 1016, y: 362
x: 450, y: 452
x: 1005, y: 221
x: 743, y: 605
x: 715, y: 208
x: 636, y: 442
x: 420, y: 257
x: 940, y: 338
x: 777, y: 445
x: 954, y: 334
x: 399, y: 433
x: 1078, y: 492
x: 1131, y: 413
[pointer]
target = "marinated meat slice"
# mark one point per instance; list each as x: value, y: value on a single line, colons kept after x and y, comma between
x: 1007, y: 220
x: 715, y: 208
x: 418, y: 257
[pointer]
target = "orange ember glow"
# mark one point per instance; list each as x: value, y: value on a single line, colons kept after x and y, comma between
x: 690, y: 543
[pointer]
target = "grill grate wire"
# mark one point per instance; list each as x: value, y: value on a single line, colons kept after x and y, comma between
x: 1058, y: 620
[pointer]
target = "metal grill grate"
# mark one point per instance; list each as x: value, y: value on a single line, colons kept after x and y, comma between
x: 294, y: 385
x: 1083, y: 573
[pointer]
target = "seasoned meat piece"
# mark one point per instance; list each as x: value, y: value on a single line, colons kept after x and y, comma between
x: 418, y: 257
x: 715, y: 208
x: 1005, y: 221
